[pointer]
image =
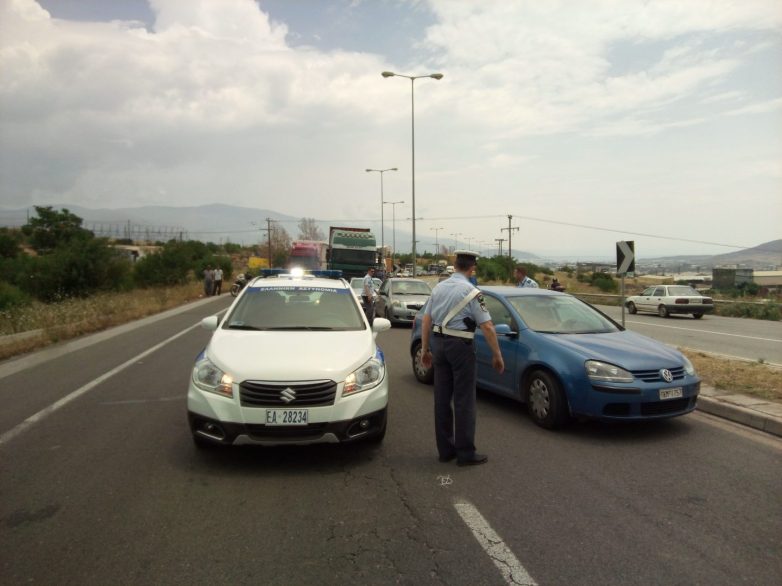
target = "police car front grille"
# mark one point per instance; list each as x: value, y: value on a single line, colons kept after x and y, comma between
x: 283, y: 394
x: 653, y: 376
x: 415, y: 306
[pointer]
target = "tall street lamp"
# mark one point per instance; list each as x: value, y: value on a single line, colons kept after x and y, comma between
x: 412, y: 79
x: 393, y: 205
x: 382, y: 222
x: 436, y: 242
x: 456, y: 240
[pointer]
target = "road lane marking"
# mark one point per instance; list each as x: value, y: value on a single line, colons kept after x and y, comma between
x: 643, y: 323
x: 43, y: 413
x: 512, y: 571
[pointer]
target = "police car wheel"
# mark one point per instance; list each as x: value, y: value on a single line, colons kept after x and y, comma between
x: 632, y: 308
x: 546, y: 400
x: 697, y: 315
x: 662, y: 311
x: 422, y: 374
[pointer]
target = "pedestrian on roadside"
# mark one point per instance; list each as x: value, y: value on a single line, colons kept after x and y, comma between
x: 522, y: 280
x: 218, y: 286
x: 368, y: 295
x: 209, y: 279
x: 455, y: 309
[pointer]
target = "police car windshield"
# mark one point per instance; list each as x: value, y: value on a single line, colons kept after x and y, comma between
x: 561, y: 315
x: 295, y: 308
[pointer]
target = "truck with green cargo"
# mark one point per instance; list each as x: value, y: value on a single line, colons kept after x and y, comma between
x: 352, y: 251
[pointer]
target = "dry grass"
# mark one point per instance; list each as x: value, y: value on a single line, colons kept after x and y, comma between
x: 747, y: 378
x: 75, y: 317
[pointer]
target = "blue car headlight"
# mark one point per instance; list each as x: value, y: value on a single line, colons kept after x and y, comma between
x: 607, y: 373
x: 207, y: 377
x: 688, y: 367
x: 368, y: 376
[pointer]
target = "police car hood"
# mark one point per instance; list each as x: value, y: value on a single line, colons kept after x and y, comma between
x: 290, y: 355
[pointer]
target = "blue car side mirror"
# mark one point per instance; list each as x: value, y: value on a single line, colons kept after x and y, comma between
x: 504, y: 330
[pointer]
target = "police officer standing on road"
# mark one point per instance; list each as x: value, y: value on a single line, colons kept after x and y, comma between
x: 455, y: 309
x: 368, y: 295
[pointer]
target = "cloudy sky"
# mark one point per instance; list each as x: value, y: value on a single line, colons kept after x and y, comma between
x: 588, y: 121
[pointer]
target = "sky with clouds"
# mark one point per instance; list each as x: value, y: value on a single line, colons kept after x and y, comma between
x: 588, y: 121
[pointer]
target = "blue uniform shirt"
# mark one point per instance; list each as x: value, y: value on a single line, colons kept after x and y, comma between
x: 527, y: 282
x: 449, y: 293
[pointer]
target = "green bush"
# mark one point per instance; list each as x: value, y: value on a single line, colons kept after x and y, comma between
x: 768, y: 311
x: 11, y: 296
x: 605, y: 282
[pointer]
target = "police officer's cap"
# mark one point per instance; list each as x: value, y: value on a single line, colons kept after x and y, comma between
x: 468, y: 256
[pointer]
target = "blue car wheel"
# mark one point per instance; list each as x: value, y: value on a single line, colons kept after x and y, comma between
x: 546, y: 401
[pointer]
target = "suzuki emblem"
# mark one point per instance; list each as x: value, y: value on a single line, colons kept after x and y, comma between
x: 288, y: 395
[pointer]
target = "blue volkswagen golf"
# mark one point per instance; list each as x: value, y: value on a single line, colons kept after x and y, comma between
x: 564, y: 358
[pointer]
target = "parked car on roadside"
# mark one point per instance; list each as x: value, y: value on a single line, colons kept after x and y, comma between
x: 294, y: 361
x: 564, y: 359
x: 400, y: 299
x: 667, y: 299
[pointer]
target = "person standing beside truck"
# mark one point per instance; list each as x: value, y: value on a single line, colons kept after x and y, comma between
x: 368, y: 295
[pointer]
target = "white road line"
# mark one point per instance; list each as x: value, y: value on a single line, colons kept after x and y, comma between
x: 643, y: 323
x: 43, y: 413
x: 512, y: 570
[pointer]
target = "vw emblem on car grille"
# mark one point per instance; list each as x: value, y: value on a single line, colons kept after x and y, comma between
x: 667, y: 375
x: 288, y: 395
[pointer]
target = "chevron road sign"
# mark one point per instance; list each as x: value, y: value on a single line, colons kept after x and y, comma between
x: 625, y: 257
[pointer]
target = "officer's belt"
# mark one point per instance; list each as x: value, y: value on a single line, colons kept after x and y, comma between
x: 445, y: 331
x: 441, y: 331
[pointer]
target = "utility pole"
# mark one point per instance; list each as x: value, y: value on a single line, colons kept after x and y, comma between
x: 269, y: 234
x: 499, y: 242
x: 510, y: 229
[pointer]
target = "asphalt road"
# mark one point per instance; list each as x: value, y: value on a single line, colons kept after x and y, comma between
x: 108, y: 489
x: 751, y: 339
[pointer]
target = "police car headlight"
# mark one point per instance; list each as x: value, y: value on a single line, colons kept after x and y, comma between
x: 367, y: 377
x: 604, y: 372
x: 688, y: 367
x: 207, y: 377
x: 396, y: 303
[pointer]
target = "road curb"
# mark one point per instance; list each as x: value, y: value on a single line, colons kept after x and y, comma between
x: 743, y: 415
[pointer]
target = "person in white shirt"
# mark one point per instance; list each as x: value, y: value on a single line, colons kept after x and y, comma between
x: 218, y: 287
x: 522, y: 280
x: 368, y: 295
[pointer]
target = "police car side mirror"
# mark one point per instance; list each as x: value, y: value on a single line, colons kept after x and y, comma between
x: 380, y: 324
x: 210, y: 323
x: 504, y: 330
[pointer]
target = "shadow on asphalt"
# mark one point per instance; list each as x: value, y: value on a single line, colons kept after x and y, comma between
x: 592, y: 430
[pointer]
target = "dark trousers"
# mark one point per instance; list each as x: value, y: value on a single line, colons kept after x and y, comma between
x: 218, y: 286
x: 369, y: 308
x: 454, y: 396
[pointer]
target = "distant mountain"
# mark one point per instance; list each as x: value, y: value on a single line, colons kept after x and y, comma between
x: 226, y: 223
x: 769, y: 253
x: 208, y: 223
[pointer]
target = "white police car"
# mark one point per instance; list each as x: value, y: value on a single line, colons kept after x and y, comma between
x: 293, y: 361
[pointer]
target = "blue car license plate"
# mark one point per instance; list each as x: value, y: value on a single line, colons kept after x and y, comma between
x: 286, y: 417
x: 674, y: 393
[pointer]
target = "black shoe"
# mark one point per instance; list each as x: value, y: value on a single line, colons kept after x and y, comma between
x: 446, y: 458
x: 473, y: 460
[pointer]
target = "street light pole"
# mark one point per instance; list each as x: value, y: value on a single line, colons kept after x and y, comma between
x: 393, y: 227
x: 456, y: 240
x: 436, y: 242
x: 382, y: 221
x: 412, y: 79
